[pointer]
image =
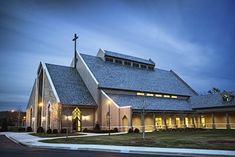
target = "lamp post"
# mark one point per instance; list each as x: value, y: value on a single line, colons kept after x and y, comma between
x: 67, y: 130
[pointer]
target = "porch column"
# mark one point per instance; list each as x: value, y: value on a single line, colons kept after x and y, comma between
x: 193, y: 122
x: 164, y: 121
x: 154, y: 122
x: 184, y: 125
x: 213, y: 121
x: 227, y: 121
x: 142, y: 122
x: 130, y: 120
x: 174, y: 126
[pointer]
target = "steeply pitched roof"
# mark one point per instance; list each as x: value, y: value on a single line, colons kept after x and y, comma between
x: 69, y: 85
x: 127, y: 57
x: 151, y: 103
x: 110, y: 75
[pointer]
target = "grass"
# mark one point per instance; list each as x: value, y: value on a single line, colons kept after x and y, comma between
x: 45, y: 135
x: 201, y: 139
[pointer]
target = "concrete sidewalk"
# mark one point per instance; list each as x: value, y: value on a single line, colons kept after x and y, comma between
x: 32, y: 141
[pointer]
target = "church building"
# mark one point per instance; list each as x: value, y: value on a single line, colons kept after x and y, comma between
x: 114, y: 89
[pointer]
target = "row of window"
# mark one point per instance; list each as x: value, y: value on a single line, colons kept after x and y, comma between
x: 157, y: 95
x: 128, y: 63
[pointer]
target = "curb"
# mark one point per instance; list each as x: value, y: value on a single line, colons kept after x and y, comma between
x: 120, y: 150
x: 129, y: 151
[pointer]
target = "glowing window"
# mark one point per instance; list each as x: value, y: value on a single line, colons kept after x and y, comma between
x: 149, y: 94
x: 158, y: 95
x: 142, y: 94
x: 174, y: 97
x: 166, y: 96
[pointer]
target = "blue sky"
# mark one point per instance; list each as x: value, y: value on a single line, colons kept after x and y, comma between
x: 196, y: 39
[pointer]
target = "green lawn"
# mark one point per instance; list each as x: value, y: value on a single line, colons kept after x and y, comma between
x: 53, y: 135
x: 203, y: 139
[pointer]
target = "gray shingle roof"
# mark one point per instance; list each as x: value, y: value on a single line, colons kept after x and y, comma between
x: 131, y: 58
x: 152, y: 103
x: 210, y: 100
x: 69, y: 85
x: 111, y: 75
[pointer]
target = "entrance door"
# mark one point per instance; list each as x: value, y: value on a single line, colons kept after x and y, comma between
x: 76, y: 124
x: 76, y: 116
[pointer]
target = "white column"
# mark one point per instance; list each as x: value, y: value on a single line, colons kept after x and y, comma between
x: 193, y: 122
x: 174, y: 126
x: 227, y: 121
x: 184, y: 121
x: 164, y: 121
x: 154, y: 121
x: 213, y: 121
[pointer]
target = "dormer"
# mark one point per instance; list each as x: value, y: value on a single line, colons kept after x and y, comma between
x: 126, y: 60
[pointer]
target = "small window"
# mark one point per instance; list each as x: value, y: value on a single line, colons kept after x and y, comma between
x: 166, y: 96
x: 139, y: 93
x: 151, y: 67
x: 136, y: 65
x: 118, y: 61
x: 174, y: 97
x: 143, y: 66
x: 158, y: 95
x: 109, y: 59
x: 127, y: 63
x: 149, y: 94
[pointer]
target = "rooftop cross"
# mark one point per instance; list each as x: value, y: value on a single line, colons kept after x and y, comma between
x: 75, y: 49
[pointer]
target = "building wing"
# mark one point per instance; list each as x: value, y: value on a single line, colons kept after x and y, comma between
x: 151, y: 103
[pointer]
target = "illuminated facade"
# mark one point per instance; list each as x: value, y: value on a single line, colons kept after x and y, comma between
x: 122, y: 88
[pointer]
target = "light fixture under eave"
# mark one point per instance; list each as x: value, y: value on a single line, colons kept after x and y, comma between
x: 40, y: 104
x: 108, y: 102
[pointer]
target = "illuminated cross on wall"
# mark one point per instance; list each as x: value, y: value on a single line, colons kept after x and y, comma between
x: 75, y: 49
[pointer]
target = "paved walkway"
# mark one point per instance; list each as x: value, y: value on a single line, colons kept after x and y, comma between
x: 32, y: 141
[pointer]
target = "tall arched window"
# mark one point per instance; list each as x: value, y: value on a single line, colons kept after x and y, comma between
x: 49, y: 116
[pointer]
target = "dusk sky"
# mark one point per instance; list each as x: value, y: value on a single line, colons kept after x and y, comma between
x: 196, y: 39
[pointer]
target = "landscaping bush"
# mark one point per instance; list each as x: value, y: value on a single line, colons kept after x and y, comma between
x: 97, y: 127
x: 21, y: 129
x: 40, y: 130
x: 63, y: 131
x: 85, y: 130
x: 55, y: 131
x: 115, y: 130
x: 130, y: 130
x: 136, y: 130
x: 29, y: 129
x: 49, y: 131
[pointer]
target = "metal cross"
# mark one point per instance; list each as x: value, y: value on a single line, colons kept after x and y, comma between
x: 75, y: 49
